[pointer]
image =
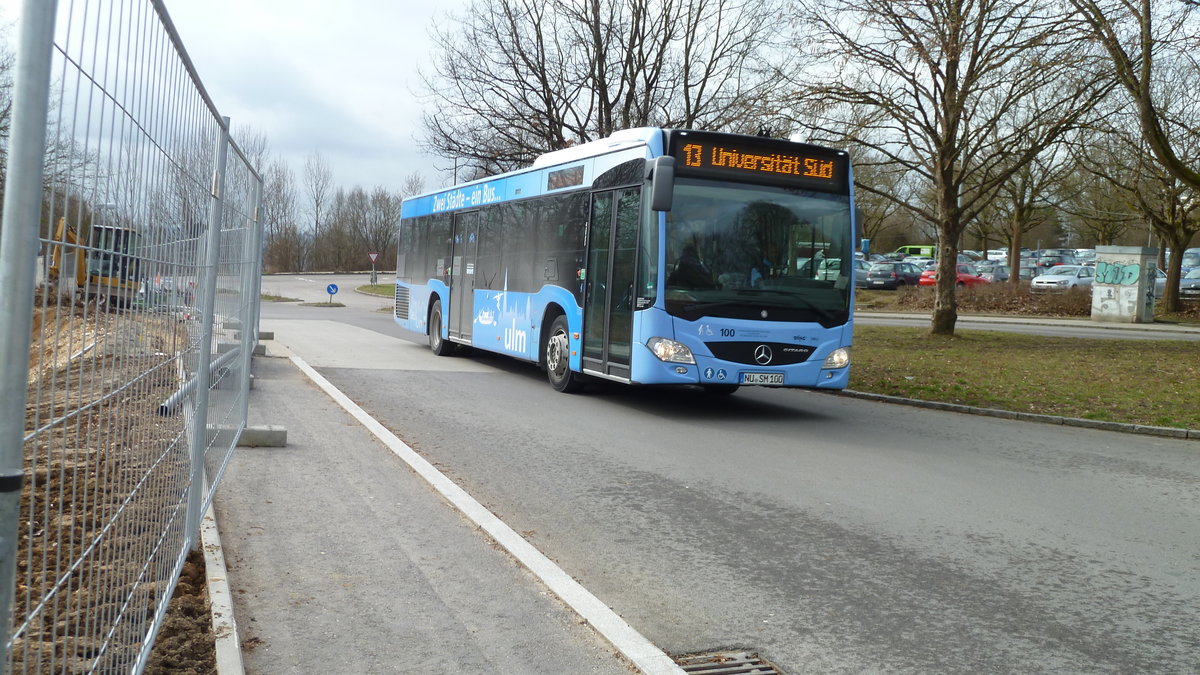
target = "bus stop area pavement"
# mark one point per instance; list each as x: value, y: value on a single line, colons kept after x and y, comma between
x: 341, y: 556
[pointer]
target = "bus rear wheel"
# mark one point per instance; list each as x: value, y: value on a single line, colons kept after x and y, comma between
x: 439, y: 345
x: 558, y: 358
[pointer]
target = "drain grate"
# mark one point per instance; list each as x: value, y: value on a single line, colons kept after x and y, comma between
x: 727, y: 663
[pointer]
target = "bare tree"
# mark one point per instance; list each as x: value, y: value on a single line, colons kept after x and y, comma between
x: 1097, y: 211
x: 254, y: 146
x: 1127, y: 165
x: 1024, y: 202
x: 286, y: 248
x: 1137, y: 34
x: 962, y: 94
x: 1152, y: 48
x: 516, y: 78
x: 880, y: 216
x: 318, y: 182
x: 412, y: 185
x: 383, y: 221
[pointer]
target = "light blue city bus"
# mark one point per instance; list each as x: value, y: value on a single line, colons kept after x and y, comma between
x: 651, y: 257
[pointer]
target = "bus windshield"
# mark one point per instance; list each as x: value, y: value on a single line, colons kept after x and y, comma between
x: 755, y: 252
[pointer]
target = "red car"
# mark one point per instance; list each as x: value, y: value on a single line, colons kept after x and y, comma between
x: 967, y: 276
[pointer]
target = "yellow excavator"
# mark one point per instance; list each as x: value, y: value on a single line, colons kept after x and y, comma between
x: 106, y: 270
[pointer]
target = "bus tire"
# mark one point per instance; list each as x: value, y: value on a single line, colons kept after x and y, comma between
x: 558, y: 358
x: 439, y: 345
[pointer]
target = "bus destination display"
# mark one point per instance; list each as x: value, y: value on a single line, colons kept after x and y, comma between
x: 750, y: 161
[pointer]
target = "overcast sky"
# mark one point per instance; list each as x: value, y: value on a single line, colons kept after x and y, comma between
x: 339, y: 78
x: 335, y: 77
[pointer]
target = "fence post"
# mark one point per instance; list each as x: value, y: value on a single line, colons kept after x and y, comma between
x: 252, y: 252
x: 18, y: 261
x: 212, y: 257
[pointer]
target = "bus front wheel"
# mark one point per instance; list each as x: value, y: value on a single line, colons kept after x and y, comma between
x: 558, y: 358
x: 439, y: 345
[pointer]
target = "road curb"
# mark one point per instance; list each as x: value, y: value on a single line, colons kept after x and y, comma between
x: 227, y: 644
x: 1144, y: 429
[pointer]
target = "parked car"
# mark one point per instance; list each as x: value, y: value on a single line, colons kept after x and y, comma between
x: 830, y: 268
x: 1189, y: 285
x: 861, y: 267
x: 892, y: 275
x: 1085, y: 256
x: 1028, y: 269
x: 994, y: 271
x: 967, y: 276
x: 1063, y: 278
x: 926, y: 250
x: 1191, y: 258
x: 1046, y: 260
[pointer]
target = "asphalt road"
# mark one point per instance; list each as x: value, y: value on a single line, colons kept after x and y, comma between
x: 827, y: 533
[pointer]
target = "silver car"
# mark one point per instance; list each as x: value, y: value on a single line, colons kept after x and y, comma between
x: 1189, y: 285
x: 1062, y: 278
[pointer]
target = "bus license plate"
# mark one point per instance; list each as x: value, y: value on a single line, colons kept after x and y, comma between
x: 762, y: 378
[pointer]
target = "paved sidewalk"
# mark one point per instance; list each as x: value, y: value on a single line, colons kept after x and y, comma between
x: 342, y: 560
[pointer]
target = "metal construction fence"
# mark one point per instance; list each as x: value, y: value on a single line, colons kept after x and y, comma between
x: 129, y: 264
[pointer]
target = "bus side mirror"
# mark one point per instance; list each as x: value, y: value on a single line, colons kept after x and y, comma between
x: 661, y: 173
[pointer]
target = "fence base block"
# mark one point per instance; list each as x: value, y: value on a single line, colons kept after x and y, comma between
x: 266, y: 436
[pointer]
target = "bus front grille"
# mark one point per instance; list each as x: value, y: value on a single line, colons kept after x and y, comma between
x: 401, y: 302
x: 760, y: 353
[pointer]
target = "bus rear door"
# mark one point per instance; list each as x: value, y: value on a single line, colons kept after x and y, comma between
x: 462, y: 284
x: 608, y: 302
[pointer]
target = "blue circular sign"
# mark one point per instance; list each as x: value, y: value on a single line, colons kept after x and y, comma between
x: 331, y: 289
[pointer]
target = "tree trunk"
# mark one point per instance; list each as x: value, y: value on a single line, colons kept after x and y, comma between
x: 1179, y: 241
x: 1014, y: 257
x: 945, y: 305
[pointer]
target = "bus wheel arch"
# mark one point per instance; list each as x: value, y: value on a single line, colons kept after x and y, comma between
x: 556, y: 353
x: 439, y: 345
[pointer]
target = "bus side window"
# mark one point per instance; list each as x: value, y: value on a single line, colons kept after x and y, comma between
x: 487, y: 263
x: 440, y: 246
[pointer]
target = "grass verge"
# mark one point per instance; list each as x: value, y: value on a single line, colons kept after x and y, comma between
x: 1155, y: 383
x: 384, y: 290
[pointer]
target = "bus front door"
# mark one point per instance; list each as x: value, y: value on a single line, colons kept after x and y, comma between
x: 608, y: 301
x: 462, y: 285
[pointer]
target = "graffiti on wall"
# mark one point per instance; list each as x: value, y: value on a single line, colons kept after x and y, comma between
x: 1118, y: 274
x: 1116, y: 293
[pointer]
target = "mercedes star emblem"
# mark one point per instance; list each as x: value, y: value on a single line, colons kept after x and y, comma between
x: 762, y: 355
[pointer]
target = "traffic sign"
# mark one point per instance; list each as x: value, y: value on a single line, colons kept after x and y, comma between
x: 373, y: 257
x: 331, y: 289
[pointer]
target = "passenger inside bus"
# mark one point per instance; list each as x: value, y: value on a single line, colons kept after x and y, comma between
x: 690, y: 272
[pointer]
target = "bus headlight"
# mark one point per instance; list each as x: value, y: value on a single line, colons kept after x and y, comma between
x: 838, y: 358
x: 670, y: 350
